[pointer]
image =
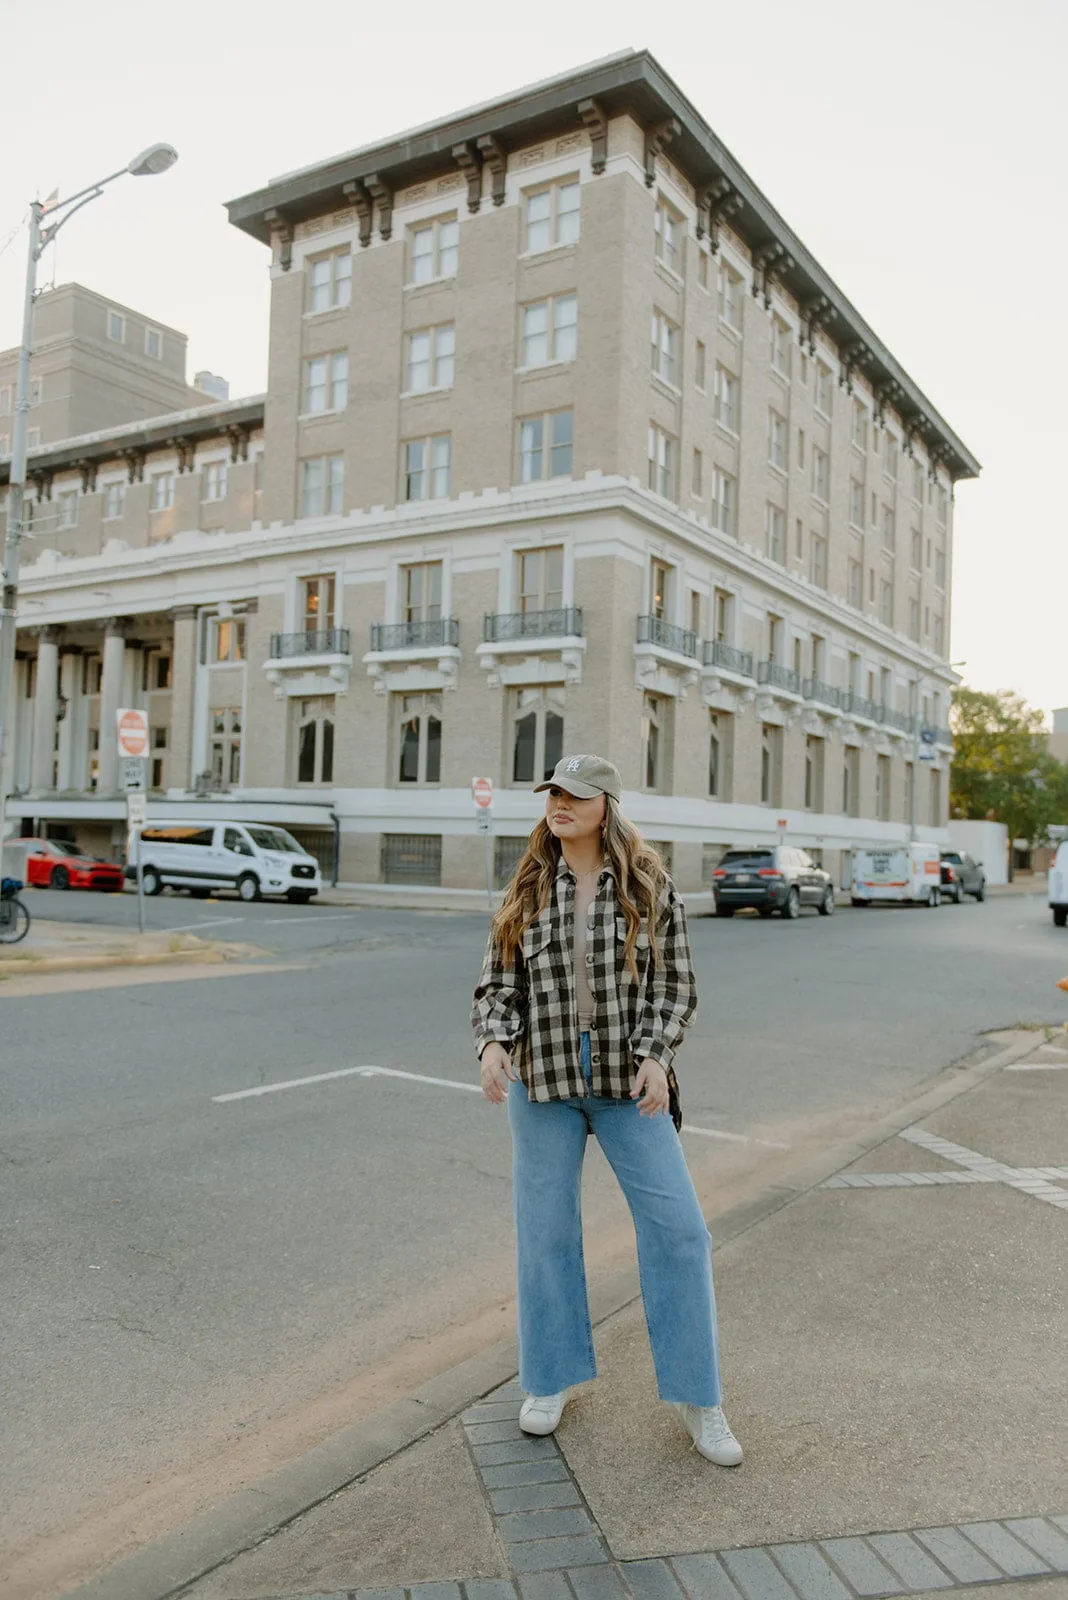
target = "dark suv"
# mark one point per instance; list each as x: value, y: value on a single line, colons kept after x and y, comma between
x: 771, y: 878
x: 961, y: 875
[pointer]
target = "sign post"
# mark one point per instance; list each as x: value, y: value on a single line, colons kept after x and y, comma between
x: 482, y: 794
x: 136, y: 812
x: 133, y: 749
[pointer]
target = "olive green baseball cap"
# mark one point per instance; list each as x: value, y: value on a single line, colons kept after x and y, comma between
x: 584, y: 777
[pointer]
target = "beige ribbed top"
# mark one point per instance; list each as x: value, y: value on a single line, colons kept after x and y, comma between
x: 585, y: 894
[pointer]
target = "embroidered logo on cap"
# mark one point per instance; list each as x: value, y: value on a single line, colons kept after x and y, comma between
x: 574, y: 765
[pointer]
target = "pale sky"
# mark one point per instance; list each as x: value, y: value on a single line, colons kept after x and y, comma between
x: 918, y: 147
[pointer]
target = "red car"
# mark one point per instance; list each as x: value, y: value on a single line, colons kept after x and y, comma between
x: 56, y: 864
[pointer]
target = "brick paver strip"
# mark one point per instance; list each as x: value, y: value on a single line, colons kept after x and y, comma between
x: 542, y: 1555
x: 499, y: 1455
x: 756, y: 1575
x: 492, y: 1411
x: 495, y: 1432
x: 809, y: 1572
x: 598, y: 1583
x: 1004, y: 1548
x: 967, y: 1564
x: 861, y: 1567
x: 521, y: 1472
x: 545, y: 1586
x: 651, y: 1580
x: 435, y: 1591
x: 1042, y: 1536
x: 520, y: 1526
x: 534, y: 1497
x: 704, y: 1578
x: 910, y: 1561
x: 489, y: 1589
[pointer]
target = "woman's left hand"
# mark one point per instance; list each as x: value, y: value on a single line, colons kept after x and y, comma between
x: 650, y: 1089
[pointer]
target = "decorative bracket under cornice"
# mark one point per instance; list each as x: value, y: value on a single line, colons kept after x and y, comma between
x: 356, y: 194
x: 135, y: 465
x: 282, y: 232
x: 495, y: 157
x: 715, y: 204
x: 657, y: 139
x: 42, y: 482
x: 853, y: 358
x: 938, y: 454
x: 815, y: 314
x: 887, y: 394
x: 88, y: 474
x: 593, y: 118
x: 238, y: 438
x: 770, y: 261
x: 186, y: 453
x: 469, y: 162
x: 382, y: 195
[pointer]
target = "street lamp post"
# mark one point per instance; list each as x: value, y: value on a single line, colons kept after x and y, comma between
x: 157, y: 158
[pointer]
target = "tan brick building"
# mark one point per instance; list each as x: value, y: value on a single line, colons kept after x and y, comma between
x: 568, y: 444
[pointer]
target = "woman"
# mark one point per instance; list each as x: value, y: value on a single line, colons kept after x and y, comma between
x: 586, y: 990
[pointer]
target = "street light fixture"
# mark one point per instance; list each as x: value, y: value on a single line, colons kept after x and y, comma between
x: 155, y: 159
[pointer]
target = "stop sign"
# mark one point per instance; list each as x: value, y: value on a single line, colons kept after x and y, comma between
x: 482, y: 789
x: 133, y: 733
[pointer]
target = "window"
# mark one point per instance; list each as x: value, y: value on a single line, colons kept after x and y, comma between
x: 428, y: 468
x: 886, y: 603
x: 804, y: 371
x: 942, y: 506
x: 770, y: 765
x: 213, y: 481
x: 726, y: 399
x: 329, y: 280
x: 892, y: 455
x: 871, y: 584
x: 824, y: 397
x: 910, y: 791
x: 653, y: 741
x: 161, y: 495
x: 667, y: 226
x: 508, y: 851
x: 434, y: 250
x: 419, y: 738
x: 224, y: 746
x: 889, y: 529
x: 882, y: 788
x: 696, y: 610
x: 154, y: 344
x: 729, y: 295
x: 914, y: 617
x: 799, y: 538
x: 935, y: 818
x: 851, y: 782
x: 227, y: 639
x: 916, y: 550
x: 815, y: 752
x: 67, y: 508
x: 774, y: 637
x: 322, y: 484
x: 92, y: 674
x: 660, y: 590
x: 940, y: 569
x: 819, y: 561
x: 780, y: 347
x: 36, y: 391
x: 553, y: 216
x: 5, y: 400
x: 723, y: 615
x: 536, y: 461
x: 158, y: 758
x: 431, y: 359
x: 778, y: 444
x: 540, y: 579
x: 801, y: 448
x: 315, y: 740
x: 698, y: 473
x: 856, y: 503
x: 798, y: 649
x: 724, y: 501
x: 411, y: 858
x: 855, y: 592
x: 117, y: 327
x: 699, y: 364
x: 926, y: 620
x: 775, y: 532
x: 326, y: 383
x: 33, y: 438
x: 821, y: 473
x: 114, y: 496
x: 917, y: 481
x: 665, y: 338
x: 702, y: 268
x: 550, y: 331
x: 155, y: 671
x: 859, y: 425
x: 720, y: 754
x: 661, y: 463
x: 317, y: 602
x: 537, y: 734
x: 420, y: 591
x: 5, y: 444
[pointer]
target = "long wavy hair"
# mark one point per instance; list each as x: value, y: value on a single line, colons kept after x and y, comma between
x: 639, y: 879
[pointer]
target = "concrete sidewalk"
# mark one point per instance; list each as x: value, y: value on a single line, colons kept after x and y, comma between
x: 81, y: 947
x: 896, y: 1361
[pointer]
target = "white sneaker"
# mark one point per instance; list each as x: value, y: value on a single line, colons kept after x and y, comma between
x: 540, y: 1413
x: 707, y: 1427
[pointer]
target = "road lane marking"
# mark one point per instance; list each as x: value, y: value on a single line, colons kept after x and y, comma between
x: 289, y: 1083
x: 212, y: 922
x: 978, y: 1168
x: 735, y: 1138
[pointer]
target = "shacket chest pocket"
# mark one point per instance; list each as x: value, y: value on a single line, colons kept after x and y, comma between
x: 538, y: 957
x: 641, y: 954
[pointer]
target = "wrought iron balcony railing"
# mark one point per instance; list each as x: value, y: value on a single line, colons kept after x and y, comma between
x: 718, y: 654
x: 437, y: 634
x: 778, y: 676
x: 501, y: 626
x: 825, y: 693
x: 859, y: 705
x: 654, y: 630
x: 310, y: 642
x: 899, y: 720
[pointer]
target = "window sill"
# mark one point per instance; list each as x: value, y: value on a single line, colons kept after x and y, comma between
x: 669, y: 274
x: 549, y: 253
x: 782, y: 472
x: 545, y: 366
x: 783, y: 377
x: 430, y: 283
x: 327, y: 311
x: 536, y: 483
x: 322, y: 416
x: 666, y: 387
x: 730, y: 328
x: 419, y: 394
x: 726, y: 429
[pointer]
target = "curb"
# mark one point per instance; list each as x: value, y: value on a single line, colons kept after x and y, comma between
x: 24, y: 967
x: 217, y: 1535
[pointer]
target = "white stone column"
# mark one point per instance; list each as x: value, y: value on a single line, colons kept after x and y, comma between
x: 70, y: 688
x: 111, y: 690
x: 45, y: 706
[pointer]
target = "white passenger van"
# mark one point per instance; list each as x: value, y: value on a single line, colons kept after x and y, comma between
x: 911, y: 873
x: 1058, y: 885
x: 252, y: 858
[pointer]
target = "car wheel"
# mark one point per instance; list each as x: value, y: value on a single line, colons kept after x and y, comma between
x: 248, y: 886
x: 1060, y: 916
x: 792, y: 908
x: 60, y: 878
x: 980, y: 894
x: 958, y: 894
x: 724, y: 911
x: 151, y: 882
x: 827, y: 903
x: 299, y: 897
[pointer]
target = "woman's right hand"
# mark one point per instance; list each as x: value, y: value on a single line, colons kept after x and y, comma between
x: 496, y: 1071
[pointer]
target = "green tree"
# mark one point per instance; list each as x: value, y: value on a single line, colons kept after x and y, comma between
x: 1002, y: 768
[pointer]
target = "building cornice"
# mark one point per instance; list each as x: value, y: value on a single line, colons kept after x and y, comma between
x: 633, y: 84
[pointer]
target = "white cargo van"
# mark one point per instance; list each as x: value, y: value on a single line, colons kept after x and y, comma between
x: 1058, y: 885
x: 911, y: 873
x: 252, y: 858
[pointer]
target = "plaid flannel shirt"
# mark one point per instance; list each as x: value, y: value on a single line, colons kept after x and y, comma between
x: 530, y: 1007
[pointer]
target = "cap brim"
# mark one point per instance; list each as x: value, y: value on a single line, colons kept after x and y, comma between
x: 571, y: 786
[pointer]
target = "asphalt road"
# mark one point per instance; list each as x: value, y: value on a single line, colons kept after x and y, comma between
x: 196, y: 1287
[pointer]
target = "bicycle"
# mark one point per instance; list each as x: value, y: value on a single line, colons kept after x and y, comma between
x: 14, y: 917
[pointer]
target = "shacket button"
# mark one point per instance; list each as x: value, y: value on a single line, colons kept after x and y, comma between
x: 596, y: 1060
